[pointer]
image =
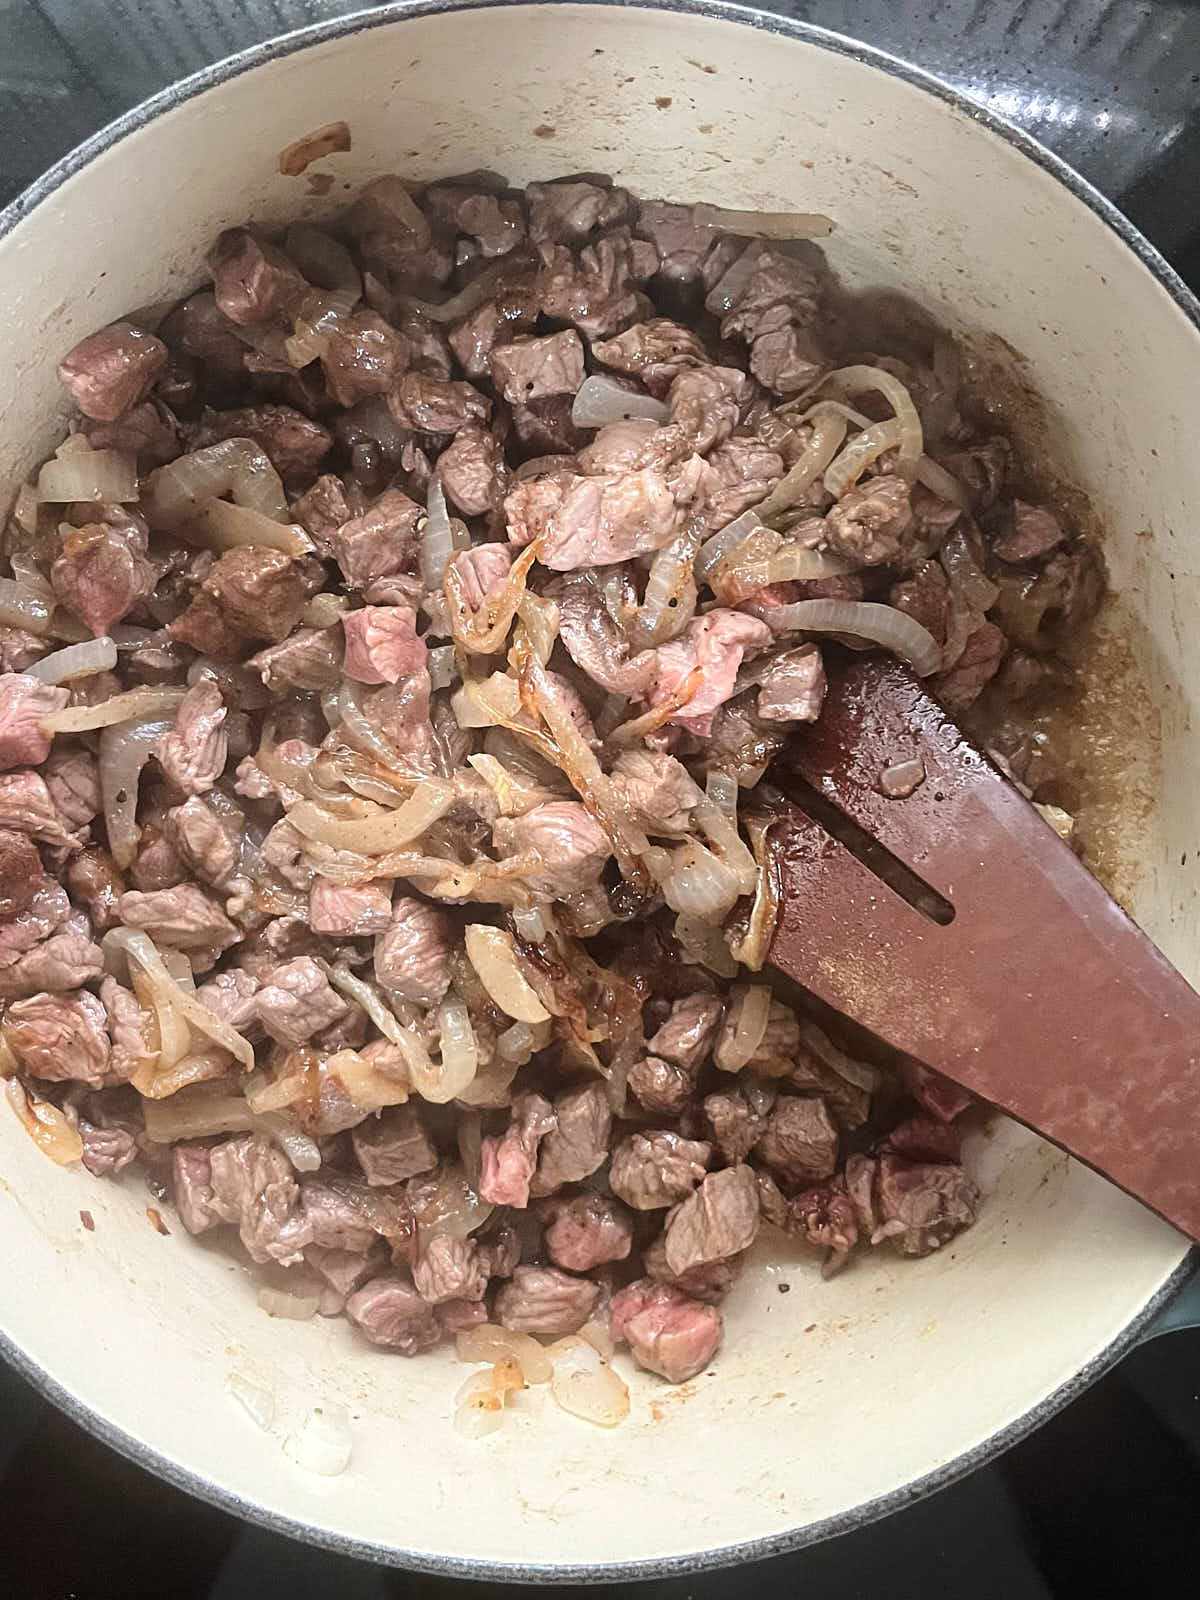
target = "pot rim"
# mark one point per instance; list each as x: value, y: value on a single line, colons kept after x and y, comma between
x: 206, y: 1489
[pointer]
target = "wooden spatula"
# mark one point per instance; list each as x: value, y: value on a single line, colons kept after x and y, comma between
x: 1020, y: 979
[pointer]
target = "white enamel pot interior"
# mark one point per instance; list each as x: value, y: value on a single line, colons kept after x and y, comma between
x: 837, y: 1401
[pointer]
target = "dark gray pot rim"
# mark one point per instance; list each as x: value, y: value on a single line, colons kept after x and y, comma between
x: 883, y: 1505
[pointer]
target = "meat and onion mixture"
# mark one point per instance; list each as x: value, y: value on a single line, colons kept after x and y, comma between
x: 395, y: 652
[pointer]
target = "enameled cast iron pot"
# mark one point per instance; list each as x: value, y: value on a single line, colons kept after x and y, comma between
x: 839, y: 1401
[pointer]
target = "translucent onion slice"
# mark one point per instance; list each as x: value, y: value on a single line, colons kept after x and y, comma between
x: 221, y: 525
x: 861, y: 452
x: 601, y: 400
x: 725, y: 542
x: 196, y: 1115
x: 291, y: 1307
x: 584, y: 1384
x: 942, y: 483
x: 865, y: 619
x: 702, y: 941
x: 721, y: 831
x: 98, y: 477
x: 492, y: 702
x: 45, y: 1124
x: 76, y: 661
x: 828, y: 431
x: 764, y: 224
x: 848, y: 381
x: 142, y: 956
x: 750, y: 1029
x: 491, y: 1343
x: 437, y: 539
x: 125, y: 748
x: 133, y: 704
x: 458, y: 1050
x: 258, y: 1402
x: 323, y: 1444
x: 25, y: 509
x: 699, y: 884
x: 669, y: 603
x: 376, y: 835
x: 492, y: 953
x: 23, y: 607
x: 479, y: 1403
x: 365, y: 994
x: 176, y: 493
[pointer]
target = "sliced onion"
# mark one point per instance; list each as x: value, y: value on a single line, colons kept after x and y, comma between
x: 459, y: 1052
x: 763, y: 224
x: 177, y: 492
x: 389, y: 830
x: 465, y: 301
x: 750, y: 1029
x: 437, y: 539
x: 45, y: 1124
x: 483, y: 632
x: 324, y: 1443
x: 492, y: 702
x: 967, y: 578
x: 221, y: 525
x: 479, y: 1403
x: 493, y: 955
x: 490, y: 1343
x: 752, y: 946
x: 828, y: 431
x: 76, y: 661
x: 258, y: 1402
x: 702, y: 941
x: 721, y: 831
x: 699, y: 884
x: 725, y: 542
x: 291, y: 1307
x: 301, y: 1149
x: 942, y: 483
x: 541, y: 620
x: 445, y: 1203
x: 319, y: 318
x: 443, y: 668
x: 584, y: 1384
x: 140, y: 952
x: 25, y: 509
x: 196, y: 1116
x: 600, y: 400
x: 864, y: 619
x: 669, y: 603
x: 847, y: 381
x: 789, y: 563
x: 134, y: 704
x: 859, y: 1073
x: 355, y: 727
x: 125, y: 749
x: 22, y: 607
x: 861, y: 452
x: 100, y: 477
x: 365, y: 994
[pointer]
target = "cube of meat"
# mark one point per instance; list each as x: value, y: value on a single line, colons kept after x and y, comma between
x: 659, y: 791
x: 1033, y: 532
x: 700, y: 668
x: 60, y: 963
x: 252, y: 280
x: 793, y: 686
x: 449, y: 1268
x: 508, y: 1162
x: 577, y: 1145
x: 308, y: 659
x: 545, y: 1300
x: 719, y: 1220
x: 102, y: 572
x: 474, y: 474
x: 184, y: 917
x: 133, y: 1030
x: 482, y: 569
x: 569, y: 211
x: 60, y: 1036
x: 382, y: 644
x: 666, y: 1331
x: 530, y: 368
x: 800, y: 1141
x: 389, y: 1311
x: 707, y: 402
x: 657, y: 1169
x: 662, y: 1087
x: 570, y: 843
x: 587, y: 1232
x: 654, y: 352
x: 393, y: 1146
x: 495, y: 224
x: 412, y: 957
x: 363, y: 355
x: 921, y: 1205
x: 253, y: 1187
x: 72, y: 778
x: 345, y: 912
x: 380, y: 542
x: 107, y: 373
x: 738, y: 1117
x: 260, y: 591
x: 194, y: 753
x: 24, y: 702
x: 869, y: 524
x: 294, y: 444
x: 435, y: 405
x: 709, y: 1282
x: 297, y: 1001
x: 688, y: 1034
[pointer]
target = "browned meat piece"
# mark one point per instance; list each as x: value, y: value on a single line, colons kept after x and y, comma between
x: 654, y: 352
x: 738, y: 1117
x: 382, y: 644
x: 513, y: 310
x: 191, y: 1184
x: 925, y: 1138
x: 62, y: 962
x: 595, y: 290
x: 107, y: 1151
x: 364, y: 355
x: 718, y: 1221
x: 393, y: 1146
x: 801, y: 1141
x: 545, y: 1300
x: 657, y: 1168
x: 572, y: 210
x: 149, y: 433
x: 578, y: 1144
x: 594, y: 638
x: 688, y: 1033
x: 260, y: 590
x: 827, y: 1218
x: 344, y: 912
x: 450, y: 1269
x: 973, y: 671
x: 232, y: 996
x: 380, y: 542
x: 102, y: 572
x: 206, y: 628
x: 27, y: 806
x: 435, y: 405
x: 309, y: 659
x: 531, y: 368
x: 658, y: 790
x: 345, y: 1215
x: 252, y: 280
x: 19, y: 650
x: 793, y: 686
x: 763, y: 290
x: 456, y: 1316
x: 21, y: 877
x: 73, y: 782
x: 194, y: 753
x: 666, y: 1331
x: 661, y: 1086
x: 587, y: 1232
x: 45, y: 909
x: 787, y: 359
x: 473, y: 473
x: 254, y: 1188
x: 322, y: 509
x: 389, y: 1311
x: 570, y: 843
x: 204, y: 333
x: 294, y: 443
x: 297, y: 1001
x: 1077, y: 577
x: 940, y: 1096
x: 413, y: 956
x: 921, y: 1205
x: 700, y: 667
x: 681, y: 242
x: 183, y: 917
x: 925, y: 595
x: 60, y: 1036
x: 24, y: 701
x: 508, y: 1162
x: 706, y: 403
x: 710, y: 1282
x: 157, y: 864
x: 870, y: 521
x: 596, y: 521
x: 982, y: 470
x: 107, y: 373
x: 545, y: 428
x: 342, y: 1270
x: 497, y: 225
x: 207, y: 841
x: 747, y: 471
x: 95, y: 884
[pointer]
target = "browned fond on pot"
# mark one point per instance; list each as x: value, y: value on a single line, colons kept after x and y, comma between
x: 1040, y: 995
